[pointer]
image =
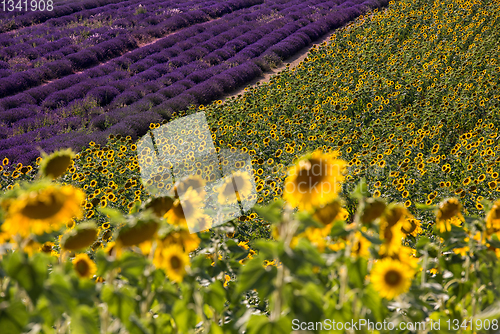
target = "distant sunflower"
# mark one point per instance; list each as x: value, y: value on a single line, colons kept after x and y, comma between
x: 185, y: 210
x: 84, y: 266
x: 42, y: 210
x: 174, y: 262
x: 390, y: 278
x: 314, y: 180
x: 236, y: 187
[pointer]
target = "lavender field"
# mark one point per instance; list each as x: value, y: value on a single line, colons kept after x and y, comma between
x: 89, y: 69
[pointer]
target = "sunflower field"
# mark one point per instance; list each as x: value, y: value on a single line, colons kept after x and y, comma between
x: 372, y: 175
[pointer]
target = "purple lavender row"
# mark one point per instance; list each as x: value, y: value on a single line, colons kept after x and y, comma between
x: 204, y: 85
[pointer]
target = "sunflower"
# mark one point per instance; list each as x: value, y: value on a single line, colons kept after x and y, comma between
x: 42, y: 210
x: 80, y: 237
x: 174, y: 261
x: 185, y: 210
x: 236, y: 188
x: 56, y: 164
x: 193, y: 181
x: 411, y: 227
x: 360, y: 246
x: 448, y: 213
x: 373, y: 208
x: 390, y: 278
x: 314, y: 181
x: 188, y: 241
x: 493, y: 219
x: 331, y: 212
x: 84, y: 266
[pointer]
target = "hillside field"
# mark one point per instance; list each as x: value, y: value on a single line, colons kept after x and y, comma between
x: 359, y: 187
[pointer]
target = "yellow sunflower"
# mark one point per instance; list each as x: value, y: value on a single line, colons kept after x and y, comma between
x: 448, y: 209
x: 237, y: 187
x: 174, y: 261
x: 390, y: 278
x: 42, y: 210
x: 360, y: 246
x: 56, y: 164
x: 188, y: 241
x: 331, y: 212
x: 193, y: 181
x: 84, y: 266
x: 493, y: 219
x: 411, y: 227
x: 314, y: 181
x: 185, y: 210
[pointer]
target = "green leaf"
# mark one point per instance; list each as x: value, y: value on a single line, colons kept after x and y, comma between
x: 338, y: 229
x: 271, y: 212
x: 104, y: 264
x: 132, y: 266
x: 360, y: 190
x: 85, y: 320
x: 372, y: 300
x: 215, y: 296
x: 372, y: 239
x: 13, y: 317
x: 115, y: 215
x: 30, y: 273
x: 253, y: 275
x: 357, y: 271
x: 260, y: 324
x: 121, y: 301
x: 425, y: 207
x: 185, y: 317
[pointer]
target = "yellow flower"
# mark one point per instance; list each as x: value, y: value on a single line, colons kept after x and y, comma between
x: 227, y: 278
x: 185, y: 210
x: 361, y: 246
x: 314, y: 181
x: 445, y: 225
x: 84, y: 266
x: 331, y: 212
x: 373, y: 209
x: 411, y: 227
x: 236, y: 188
x: 174, y: 261
x: 448, y: 208
x: 390, y: 278
x: 493, y: 219
x: 56, y: 164
x: 42, y: 210
x: 462, y: 251
x: 188, y: 241
x: 193, y: 181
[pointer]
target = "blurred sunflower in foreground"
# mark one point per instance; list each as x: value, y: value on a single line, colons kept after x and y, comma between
x: 41, y: 208
x: 390, y: 278
x: 314, y: 180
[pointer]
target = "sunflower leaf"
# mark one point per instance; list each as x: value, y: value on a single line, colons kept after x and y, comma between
x: 271, y: 212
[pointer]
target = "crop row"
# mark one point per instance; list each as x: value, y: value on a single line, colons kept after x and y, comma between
x: 108, y: 49
x: 194, y: 66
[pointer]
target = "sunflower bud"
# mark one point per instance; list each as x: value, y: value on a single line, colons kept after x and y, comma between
x: 373, y: 209
x: 56, y: 164
x: 81, y: 237
x: 138, y: 233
